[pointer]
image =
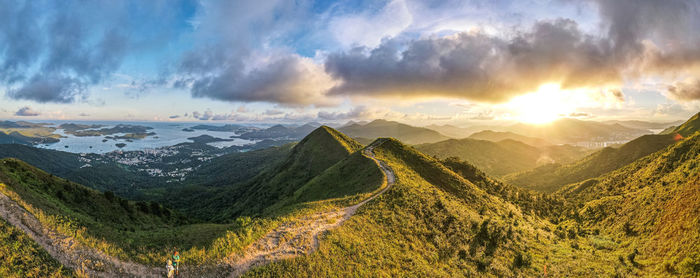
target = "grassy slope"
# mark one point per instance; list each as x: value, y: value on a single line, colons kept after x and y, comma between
x: 114, y: 225
x: 317, y: 152
x: 355, y: 176
x: 652, y: 205
x: 22, y: 257
x: 500, y: 158
x: 405, y: 133
x: 432, y: 223
x: 549, y: 178
x: 218, y: 172
x: 689, y: 127
x: 113, y: 177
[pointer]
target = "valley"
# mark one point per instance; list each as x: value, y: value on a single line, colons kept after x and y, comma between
x: 329, y: 204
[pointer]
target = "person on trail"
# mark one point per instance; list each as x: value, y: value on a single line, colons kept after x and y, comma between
x: 169, y: 269
x: 176, y: 262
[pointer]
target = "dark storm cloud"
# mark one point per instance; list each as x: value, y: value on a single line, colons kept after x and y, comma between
x: 26, y: 112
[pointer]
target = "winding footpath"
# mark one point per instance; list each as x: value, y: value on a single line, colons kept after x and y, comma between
x: 293, y: 238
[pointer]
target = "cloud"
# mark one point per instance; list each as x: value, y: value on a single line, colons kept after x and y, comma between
x: 84, y: 115
x: 26, y: 112
x: 289, y: 80
x: 174, y: 117
x: 209, y: 115
x: 43, y: 89
x: 52, y: 52
x: 685, y: 90
x: 475, y: 66
x: 640, y: 38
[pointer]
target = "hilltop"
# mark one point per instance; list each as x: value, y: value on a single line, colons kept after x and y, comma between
x: 503, y: 157
x: 382, y: 128
x: 317, y: 152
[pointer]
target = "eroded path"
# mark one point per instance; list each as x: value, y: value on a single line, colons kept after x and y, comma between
x: 68, y: 251
x: 296, y: 237
x: 300, y: 236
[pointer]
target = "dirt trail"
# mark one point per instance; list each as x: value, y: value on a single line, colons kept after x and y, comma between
x: 297, y: 237
x: 67, y: 250
x: 301, y: 235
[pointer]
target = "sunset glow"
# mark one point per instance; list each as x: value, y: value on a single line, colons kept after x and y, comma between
x: 545, y: 105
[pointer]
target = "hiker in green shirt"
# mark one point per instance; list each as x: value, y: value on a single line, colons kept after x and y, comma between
x: 176, y: 262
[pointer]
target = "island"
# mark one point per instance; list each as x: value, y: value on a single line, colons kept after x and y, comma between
x: 203, y: 139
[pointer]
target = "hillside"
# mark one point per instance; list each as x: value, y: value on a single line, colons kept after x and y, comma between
x: 549, y: 178
x: 438, y: 221
x: 652, y: 206
x: 568, y: 131
x: 689, y: 127
x: 503, y: 157
x: 317, y: 152
x: 496, y: 136
x: 382, y: 128
x: 23, y: 257
x: 237, y: 167
x: 89, y: 215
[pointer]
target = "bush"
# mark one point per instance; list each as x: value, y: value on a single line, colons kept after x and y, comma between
x: 522, y: 260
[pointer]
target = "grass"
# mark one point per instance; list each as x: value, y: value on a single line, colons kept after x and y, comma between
x: 22, y: 257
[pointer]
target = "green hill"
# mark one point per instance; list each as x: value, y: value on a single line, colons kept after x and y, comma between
x: 317, y: 152
x: 565, y: 131
x: 652, y: 206
x: 92, y: 217
x: 549, y: 178
x: 382, y: 128
x: 431, y: 223
x: 496, y: 136
x: 217, y: 172
x: 503, y: 157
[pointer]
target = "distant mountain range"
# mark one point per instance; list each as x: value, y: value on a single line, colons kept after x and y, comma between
x: 550, y: 177
x: 382, y: 128
x: 496, y: 136
x: 502, y: 157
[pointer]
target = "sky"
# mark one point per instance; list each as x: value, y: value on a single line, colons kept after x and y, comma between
x: 419, y: 62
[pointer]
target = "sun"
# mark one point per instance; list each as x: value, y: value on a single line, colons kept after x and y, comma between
x: 545, y: 105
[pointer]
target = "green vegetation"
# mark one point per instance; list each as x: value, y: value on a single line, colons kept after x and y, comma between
x: 317, y: 152
x: 237, y: 167
x: 432, y: 223
x: 496, y: 136
x: 651, y: 206
x: 689, y: 127
x: 22, y: 257
x: 549, y: 178
x: 503, y: 157
x: 441, y: 217
x: 382, y: 128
